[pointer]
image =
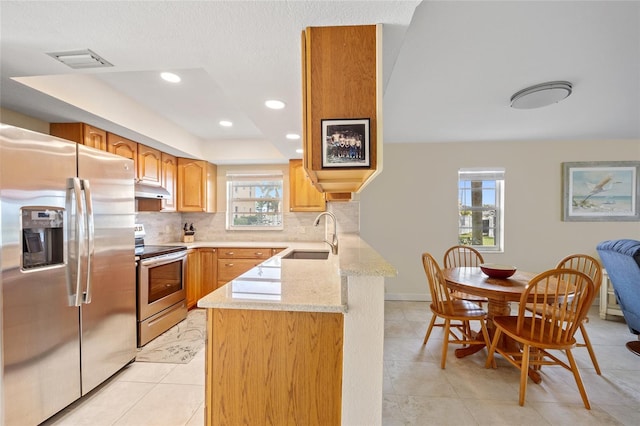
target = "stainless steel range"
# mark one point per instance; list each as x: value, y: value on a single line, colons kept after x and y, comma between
x: 161, y: 289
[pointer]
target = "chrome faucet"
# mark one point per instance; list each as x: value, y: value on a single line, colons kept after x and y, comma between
x: 334, y: 239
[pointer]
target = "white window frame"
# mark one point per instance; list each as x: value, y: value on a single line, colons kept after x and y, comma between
x: 238, y: 202
x: 493, y: 213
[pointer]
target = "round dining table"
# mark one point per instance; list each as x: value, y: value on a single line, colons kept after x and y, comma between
x: 500, y: 292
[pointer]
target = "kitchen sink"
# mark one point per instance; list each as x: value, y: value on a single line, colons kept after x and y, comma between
x: 307, y: 254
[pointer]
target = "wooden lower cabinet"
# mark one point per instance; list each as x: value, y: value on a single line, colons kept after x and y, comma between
x: 192, y: 277
x: 273, y: 367
x: 201, y: 274
x: 234, y: 261
x: 208, y: 270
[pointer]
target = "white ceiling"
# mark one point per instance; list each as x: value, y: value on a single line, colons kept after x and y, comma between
x: 450, y: 68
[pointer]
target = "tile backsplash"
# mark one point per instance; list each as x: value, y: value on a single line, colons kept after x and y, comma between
x: 167, y: 227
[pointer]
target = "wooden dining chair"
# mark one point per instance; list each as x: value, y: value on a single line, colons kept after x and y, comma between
x: 553, y: 328
x: 456, y: 314
x: 590, y: 266
x: 464, y: 256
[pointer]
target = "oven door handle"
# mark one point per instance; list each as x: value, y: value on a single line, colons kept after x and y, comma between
x: 163, y: 259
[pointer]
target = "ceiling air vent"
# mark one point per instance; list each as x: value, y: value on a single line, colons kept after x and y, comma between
x: 80, y: 59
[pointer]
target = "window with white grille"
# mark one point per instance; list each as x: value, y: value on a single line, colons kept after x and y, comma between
x: 480, y: 208
x: 254, y: 201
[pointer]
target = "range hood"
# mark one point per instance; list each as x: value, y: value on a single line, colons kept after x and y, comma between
x: 147, y: 191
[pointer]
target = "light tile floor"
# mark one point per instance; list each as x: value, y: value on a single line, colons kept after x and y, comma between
x: 416, y: 391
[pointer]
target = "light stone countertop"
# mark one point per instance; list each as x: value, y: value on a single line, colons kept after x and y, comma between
x: 297, y: 284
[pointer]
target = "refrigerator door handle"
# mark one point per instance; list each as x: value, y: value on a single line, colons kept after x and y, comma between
x: 90, y: 237
x: 76, y: 186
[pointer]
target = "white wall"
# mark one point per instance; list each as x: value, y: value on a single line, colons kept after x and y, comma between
x: 20, y: 120
x: 411, y: 207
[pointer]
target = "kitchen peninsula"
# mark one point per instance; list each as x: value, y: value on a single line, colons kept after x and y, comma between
x: 298, y: 340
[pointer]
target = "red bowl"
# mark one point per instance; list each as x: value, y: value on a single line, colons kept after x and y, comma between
x: 498, y: 271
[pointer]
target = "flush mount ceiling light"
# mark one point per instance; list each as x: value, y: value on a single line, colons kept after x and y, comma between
x: 292, y: 136
x: 81, y: 59
x: 170, y: 77
x: 274, y: 104
x: 299, y: 151
x: 542, y: 94
x: 225, y: 123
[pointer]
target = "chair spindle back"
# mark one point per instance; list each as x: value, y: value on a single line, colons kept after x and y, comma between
x: 462, y: 256
x: 584, y: 263
x: 561, y: 298
x: 440, y: 294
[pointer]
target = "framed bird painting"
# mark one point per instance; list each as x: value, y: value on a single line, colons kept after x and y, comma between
x: 601, y: 191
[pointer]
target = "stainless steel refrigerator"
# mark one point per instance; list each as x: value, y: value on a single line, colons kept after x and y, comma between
x: 67, y: 270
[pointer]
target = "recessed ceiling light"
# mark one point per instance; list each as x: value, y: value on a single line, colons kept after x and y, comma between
x: 293, y: 136
x: 170, y: 77
x: 225, y: 123
x: 542, y: 94
x: 274, y: 104
x: 299, y: 150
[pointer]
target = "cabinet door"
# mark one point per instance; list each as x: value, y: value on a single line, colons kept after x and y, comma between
x: 230, y: 269
x: 149, y: 165
x: 192, y: 277
x: 350, y: 90
x: 192, y: 183
x: 169, y: 181
x: 123, y: 147
x: 208, y: 270
x: 94, y: 137
x: 196, y: 186
x: 244, y: 253
x: 80, y: 133
x: 303, y: 196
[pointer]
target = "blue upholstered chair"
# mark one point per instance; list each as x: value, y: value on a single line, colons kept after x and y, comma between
x: 621, y: 259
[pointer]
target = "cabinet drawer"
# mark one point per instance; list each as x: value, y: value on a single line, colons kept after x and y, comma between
x: 228, y: 269
x: 244, y: 253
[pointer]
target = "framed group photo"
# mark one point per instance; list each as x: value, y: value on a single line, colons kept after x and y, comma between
x: 345, y: 143
x: 601, y: 191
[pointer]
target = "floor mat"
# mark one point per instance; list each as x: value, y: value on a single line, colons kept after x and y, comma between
x: 179, y: 344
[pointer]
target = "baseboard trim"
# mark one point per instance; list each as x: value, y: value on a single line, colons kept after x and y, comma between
x: 414, y: 297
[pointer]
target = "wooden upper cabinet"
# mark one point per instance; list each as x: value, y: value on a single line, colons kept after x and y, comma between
x: 169, y: 181
x: 123, y: 147
x: 196, y: 186
x: 303, y: 196
x: 339, y: 196
x: 80, y: 133
x: 95, y: 138
x: 342, y: 77
x: 149, y: 165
